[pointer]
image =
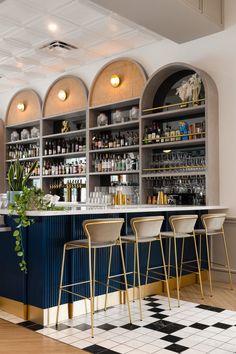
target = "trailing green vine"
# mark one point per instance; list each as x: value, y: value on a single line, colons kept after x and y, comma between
x: 30, y: 199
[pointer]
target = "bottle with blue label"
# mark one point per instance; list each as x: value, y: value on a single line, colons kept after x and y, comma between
x: 183, y: 128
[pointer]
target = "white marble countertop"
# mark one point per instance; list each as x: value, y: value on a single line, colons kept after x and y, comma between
x: 96, y: 210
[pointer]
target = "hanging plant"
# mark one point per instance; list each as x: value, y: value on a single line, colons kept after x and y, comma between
x: 30, y: 199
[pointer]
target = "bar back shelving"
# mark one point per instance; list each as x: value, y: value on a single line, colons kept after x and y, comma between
x: 108, y: 144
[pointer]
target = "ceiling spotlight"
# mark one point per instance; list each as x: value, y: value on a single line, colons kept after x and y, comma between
x: 52, y: 27
x: 115, y: 81
x: 21, y: 106
x: 167, y: 151
x: 62, y: 95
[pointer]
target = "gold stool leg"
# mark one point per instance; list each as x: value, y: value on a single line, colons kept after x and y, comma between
x: 91, y: 290
x: 61, y: 280
x: 176, y: 270
x: 200, y: 250
x: 125, y: 278
x: 181, y: 264
x: 198, y: 265
x: 148, y: 262
x: 209, y: 264
x: 108, y: 277
x: 139, y: 285
x: 164, y: 265
x: 134, y: 273
x: 227, y: 259
x: 94, y: 275
x: 169, y: 254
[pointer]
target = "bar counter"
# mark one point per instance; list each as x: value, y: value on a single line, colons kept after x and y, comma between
x: 126, y: 209
x: 34, y: 295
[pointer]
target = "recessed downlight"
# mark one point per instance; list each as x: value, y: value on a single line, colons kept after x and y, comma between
x: 52, y: 27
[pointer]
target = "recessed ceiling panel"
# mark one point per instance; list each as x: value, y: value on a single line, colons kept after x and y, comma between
x: 79, y: 13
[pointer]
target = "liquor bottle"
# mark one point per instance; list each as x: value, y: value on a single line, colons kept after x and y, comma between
x: 77, y: 145
x: 158, y: 134
x: 110, y: 142
x: 154, y: 129
x: 128, y: 163
x: 149, y: 136
x: 46, y: 148
x: 167, y: 134
x: 63, y: 147
x: 59, y: 143
x: 50, y: 148
x: 72, y: 143
x: 54, y: 148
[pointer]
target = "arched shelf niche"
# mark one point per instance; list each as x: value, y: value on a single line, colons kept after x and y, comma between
x: 160, y: 91
x: 76, y: 96
x: 32, y: 108
x: 132, y: 80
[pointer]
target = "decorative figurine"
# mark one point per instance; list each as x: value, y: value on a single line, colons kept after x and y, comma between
x: 189, y: 90
x: 195, y: 83
x: 185, y: 93
x: 117, y: 117
x: 25, y: 134
x: 183, y: 128
x: 34, y: 133
x: 65, y: 126
x: 102, y: 119
x: 15, y: 136
x: 133, y: 113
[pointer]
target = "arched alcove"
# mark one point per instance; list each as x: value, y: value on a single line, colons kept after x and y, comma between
x: 76, y: 96
x: 132, y: 80
x: 160, y: 82
x: 160, y: 104
x: 31, y: 109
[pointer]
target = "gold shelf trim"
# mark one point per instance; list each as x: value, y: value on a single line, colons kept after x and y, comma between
x: 174, y: 105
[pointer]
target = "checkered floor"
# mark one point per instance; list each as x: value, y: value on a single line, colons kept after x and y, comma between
x: 191, y: 328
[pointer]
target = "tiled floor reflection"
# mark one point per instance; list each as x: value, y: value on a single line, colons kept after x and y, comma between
x: 189, y: 329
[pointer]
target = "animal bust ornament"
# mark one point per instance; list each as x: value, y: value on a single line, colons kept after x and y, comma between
x: 65, y: 126
x: 185, y: 93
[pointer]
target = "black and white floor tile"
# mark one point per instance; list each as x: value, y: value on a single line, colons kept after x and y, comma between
x: 189, y: 329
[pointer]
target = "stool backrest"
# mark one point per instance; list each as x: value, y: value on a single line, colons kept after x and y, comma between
x: 183, y: 223
x: 148, y: 226
x: 213, y: 222
x: 103, y: 230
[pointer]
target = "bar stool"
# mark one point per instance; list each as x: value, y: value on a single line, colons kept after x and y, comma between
x: 214, y: 226
x: 182, y: 227
x: 100, y: 233
x: 146, y: 230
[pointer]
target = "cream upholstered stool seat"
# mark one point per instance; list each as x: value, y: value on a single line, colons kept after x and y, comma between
x: 146, y: 230
x: 100, y: 233
x: 214, y: 226
x: 182, y: 227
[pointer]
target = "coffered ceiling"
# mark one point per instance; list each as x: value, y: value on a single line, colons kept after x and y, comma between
x: 27, y: 27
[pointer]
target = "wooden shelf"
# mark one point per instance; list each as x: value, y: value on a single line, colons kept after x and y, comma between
x: 113, y: 173
x: 68, y: 155
x: 26, y: 124
x: 65, y: 175
x: 176, y: 113
x: 70, y: 115
x: 174, y: 174
x: 65, y: 135
x: 173, y: 144
x: 114, y: 105
x: 118, y: 149
x: 24, y: 141
x: 130, y: 124
x: 24, y: 159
